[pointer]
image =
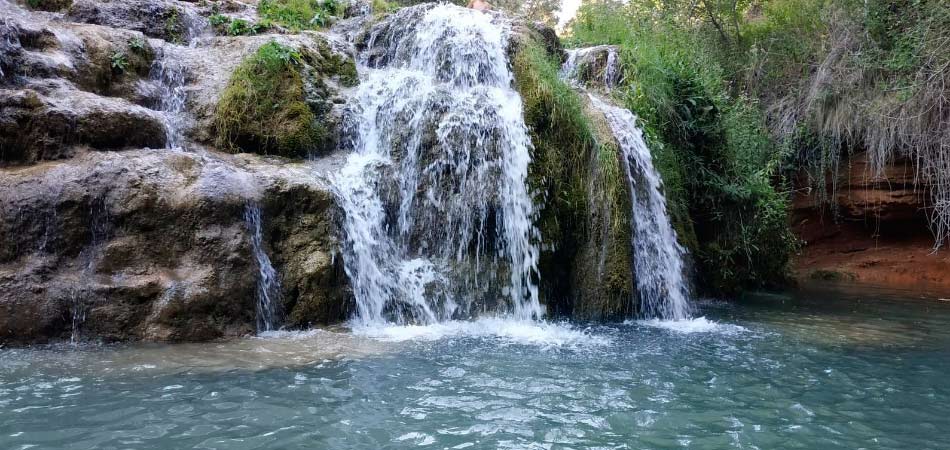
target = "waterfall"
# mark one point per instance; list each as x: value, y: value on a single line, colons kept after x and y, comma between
x: 593, y: 65
x: 438, y: 217
x: 99, y: 229
x: 657, y: 256
x: 268, y: 308
x: 658, y: 264
x: 170, y: 75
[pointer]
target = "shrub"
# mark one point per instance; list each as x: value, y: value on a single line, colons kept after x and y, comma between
x: 119, y: 62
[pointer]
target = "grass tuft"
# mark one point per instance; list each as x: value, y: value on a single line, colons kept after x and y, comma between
x: 262, y: 110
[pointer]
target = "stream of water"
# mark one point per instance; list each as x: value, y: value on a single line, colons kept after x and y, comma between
x: 269, y: 311
x: 816, y: 371
x: 658, y: 258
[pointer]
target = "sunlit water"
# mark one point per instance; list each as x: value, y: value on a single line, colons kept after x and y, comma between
x: 769, y: 372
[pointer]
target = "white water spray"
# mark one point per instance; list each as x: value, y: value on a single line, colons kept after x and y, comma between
x: 170, y: 74
x: 439, y: 221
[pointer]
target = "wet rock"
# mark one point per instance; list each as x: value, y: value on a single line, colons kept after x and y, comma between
x: 169, y: 20
x: 47, y: 121
x: 525, y: 31
x: 152, y: 244
x: 595, y: 67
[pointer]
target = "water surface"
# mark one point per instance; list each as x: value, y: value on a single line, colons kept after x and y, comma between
x: 813, y: 371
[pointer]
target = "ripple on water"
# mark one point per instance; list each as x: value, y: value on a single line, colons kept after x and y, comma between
x: 752, y: 382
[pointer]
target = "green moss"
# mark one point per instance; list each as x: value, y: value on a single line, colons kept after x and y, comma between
x: 297, y: 15
x: 584, y: 217
x: 383, y: 7
x: 49, y: 5
x: 262, y: 110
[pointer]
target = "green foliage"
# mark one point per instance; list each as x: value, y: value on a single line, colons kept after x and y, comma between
x: 237, y: 27
x: 219, y: 20
x: 119, y: 62
x: 138, y: 46
x: 174, y: 29
x: 719, y: 164
x: 383, y: 7
x: 297, y: 15
x: 263, y: 110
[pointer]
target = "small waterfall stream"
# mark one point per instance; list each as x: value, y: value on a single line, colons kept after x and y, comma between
x: 657, y: 256
x: 439, y: 221
x: 268, y: 308
x: 170, y: 74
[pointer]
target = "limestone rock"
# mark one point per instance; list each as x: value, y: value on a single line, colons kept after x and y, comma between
x: 43, y: 123
x: 152, y: 244
x: 170, y: 20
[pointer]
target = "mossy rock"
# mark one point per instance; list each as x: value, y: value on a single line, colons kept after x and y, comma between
x: 278, y: 101
x: 49, y: 5
x: 586, y: 267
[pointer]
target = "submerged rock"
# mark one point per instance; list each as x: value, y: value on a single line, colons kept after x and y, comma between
x: 152, y: 244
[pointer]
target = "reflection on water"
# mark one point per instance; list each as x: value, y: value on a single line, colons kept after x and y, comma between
x: 815, y: 370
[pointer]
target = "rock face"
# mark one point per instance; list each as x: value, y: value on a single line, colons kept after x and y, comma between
x: 108, y: 235
x: 880, y: 235
x: 152, y: 244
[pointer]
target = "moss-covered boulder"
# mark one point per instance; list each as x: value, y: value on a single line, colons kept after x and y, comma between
x: 279, y: 99
x: 586, y: 265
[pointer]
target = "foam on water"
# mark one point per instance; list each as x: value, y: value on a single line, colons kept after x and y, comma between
x: 689, y: 326
x: 507, y: 331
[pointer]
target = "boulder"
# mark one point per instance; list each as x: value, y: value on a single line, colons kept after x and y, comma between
x: 153, y: 244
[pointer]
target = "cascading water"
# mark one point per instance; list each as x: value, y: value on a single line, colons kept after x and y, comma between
x: 99, y: 228
x: 268, y: 308
x: 170, y: 74
x: 439, y: 221
x: 657, y: 255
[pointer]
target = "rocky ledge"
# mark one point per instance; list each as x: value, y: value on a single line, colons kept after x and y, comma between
x: 155, y: 245
x: 871, y: 230
x: 122, y: 215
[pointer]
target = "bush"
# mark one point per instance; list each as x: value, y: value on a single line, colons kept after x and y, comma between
x: 297, y: 15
